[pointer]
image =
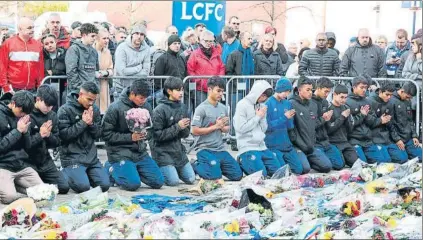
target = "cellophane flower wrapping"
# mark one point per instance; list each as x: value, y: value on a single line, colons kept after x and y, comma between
x: 138, y: 119
x: 44, y: 195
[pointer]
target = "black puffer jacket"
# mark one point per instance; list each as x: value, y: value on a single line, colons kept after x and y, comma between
x: 282, y: 53
x: 381, y: 134
x: 171, y: 64
x: 303, y: 135
x: 77, y: 137
x: 267, y: 66
x: 359, y: 60
x: 322, y: 139
x: 57, y: 66
x: 319, y: 62
x: 39, y: 157
x: 361, y: 133
x: 13, y: 156
x: 403, y: 120
x: 167, y: 148
x: 116, y: 134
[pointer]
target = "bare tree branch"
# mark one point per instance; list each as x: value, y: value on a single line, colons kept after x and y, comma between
x: 257, y: 20
x: 294, y: 7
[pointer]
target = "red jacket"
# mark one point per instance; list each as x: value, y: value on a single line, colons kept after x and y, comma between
x: 198, y: 64
x: 63, y: 40
x: 21, y: 64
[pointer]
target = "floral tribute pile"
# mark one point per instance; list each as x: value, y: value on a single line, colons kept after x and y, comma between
x: 365, y: 202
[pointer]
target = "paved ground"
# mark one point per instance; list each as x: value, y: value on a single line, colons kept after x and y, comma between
x: 165, y: 190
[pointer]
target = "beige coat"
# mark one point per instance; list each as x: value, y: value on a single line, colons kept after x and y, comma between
x: 105, y: 64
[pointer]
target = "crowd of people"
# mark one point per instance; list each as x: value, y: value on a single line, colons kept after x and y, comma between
x: 289, y: 123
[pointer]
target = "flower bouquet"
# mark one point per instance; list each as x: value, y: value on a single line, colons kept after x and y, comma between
x: 266, y: 214
x: 203, y: 187
x: 17, y: 217
x: 351, y: 209
x: 44, y: 195
x: 138, y: 120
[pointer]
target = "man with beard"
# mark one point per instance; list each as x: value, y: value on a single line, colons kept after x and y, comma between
x: 363, y: 58
x: 21, y: 60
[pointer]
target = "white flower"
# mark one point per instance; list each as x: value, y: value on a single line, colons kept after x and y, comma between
x: 42, y: 192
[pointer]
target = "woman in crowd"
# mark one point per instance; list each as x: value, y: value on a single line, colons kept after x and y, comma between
x: 105, y: 61
x: 266, y: 60
x: 54, y: 64
x: 413, y: 64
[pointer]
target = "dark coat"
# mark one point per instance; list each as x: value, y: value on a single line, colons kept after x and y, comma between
x: 322, y: 138
x: 381, y: 134
x: 57, y: 66
x: 317, y: 62
x: 403, y: 120
x: 116, y: 134
x: 78, y: 139
x: 303, y: 136
x: 267, y: 66
x: 361, y: 133
x: 171, y: 64
x: 359, y: 60
x: 39, y: 157
x: 13, y: 143
x: 167, y: 148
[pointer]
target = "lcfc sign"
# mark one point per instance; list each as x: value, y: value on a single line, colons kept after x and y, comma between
x: 187, y: 14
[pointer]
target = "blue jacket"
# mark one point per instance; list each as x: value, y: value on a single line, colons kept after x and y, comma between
x: 228, y: 49
x: 277, y: 131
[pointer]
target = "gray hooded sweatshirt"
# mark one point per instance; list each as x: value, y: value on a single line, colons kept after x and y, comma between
x: 81, y: 64
x: 249, y: 128
x: 132, y: 62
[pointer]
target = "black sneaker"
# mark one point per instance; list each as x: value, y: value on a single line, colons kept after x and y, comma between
x: 234, y: 147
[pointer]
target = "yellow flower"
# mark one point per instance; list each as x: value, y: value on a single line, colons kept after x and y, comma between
x: 328, y: 236
x: 392, y: 223
x: 269, y: 195
x: 229, y: 228
x: 235, y: 226
x: 301, y: 201
x: 148, y: 237
x: 63, y: 209
x: 50, y: 235
x: 131, y: 208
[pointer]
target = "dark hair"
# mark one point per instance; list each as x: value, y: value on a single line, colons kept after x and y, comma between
x: 106, y: 25
x: 229, y: 31
x: 410, y: 89
x: 48, y: 94
x: 387, y: 87
x: 46, y: 36
x: 300, y: 54
x: 268, y: 92
x: 199, y: 25
x: 340, y: 89
x: 140, y: 87
x: 304, y: 81
x: 402, y: 32
x: 90, y: 87
x: 25, y: 100
x: 359, y: 80
x: 76, y: 24
x: 172, y: 83
x: 216, y: 81
x: 324, y: 82
x: 88, y: 28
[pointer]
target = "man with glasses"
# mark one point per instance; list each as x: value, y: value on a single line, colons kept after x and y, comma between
x: 54, y: 26
x: 319, y: 61
x: 21, y: 60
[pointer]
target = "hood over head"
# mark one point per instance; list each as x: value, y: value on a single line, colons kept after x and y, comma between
x: 259, y: 87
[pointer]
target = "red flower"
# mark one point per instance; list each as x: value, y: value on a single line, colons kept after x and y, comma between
x: 355, y: 212
x: 14, y: 212
x: 56, y: 225
x: 64, y: 235
x: 235, y: 203
x: 358, y: 203
x: 43, y: 215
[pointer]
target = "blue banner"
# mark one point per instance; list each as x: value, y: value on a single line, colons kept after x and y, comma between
x: 409, y: 4
x: 187, y: 14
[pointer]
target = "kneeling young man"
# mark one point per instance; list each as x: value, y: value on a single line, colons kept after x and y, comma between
x: 381, y: 134
x: 324, y: 114
x: 280, y: 118
x: 364, y: 120
x: 45, y: 136
x: 171, y: 123
x: 340, y: 124
x: 15, y: 173
x: 129, y: 162
x: 79, y: 128
x: 209, y: 123
x: 303, y: 135
x: 250, y: 126
x: 404, y: 123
